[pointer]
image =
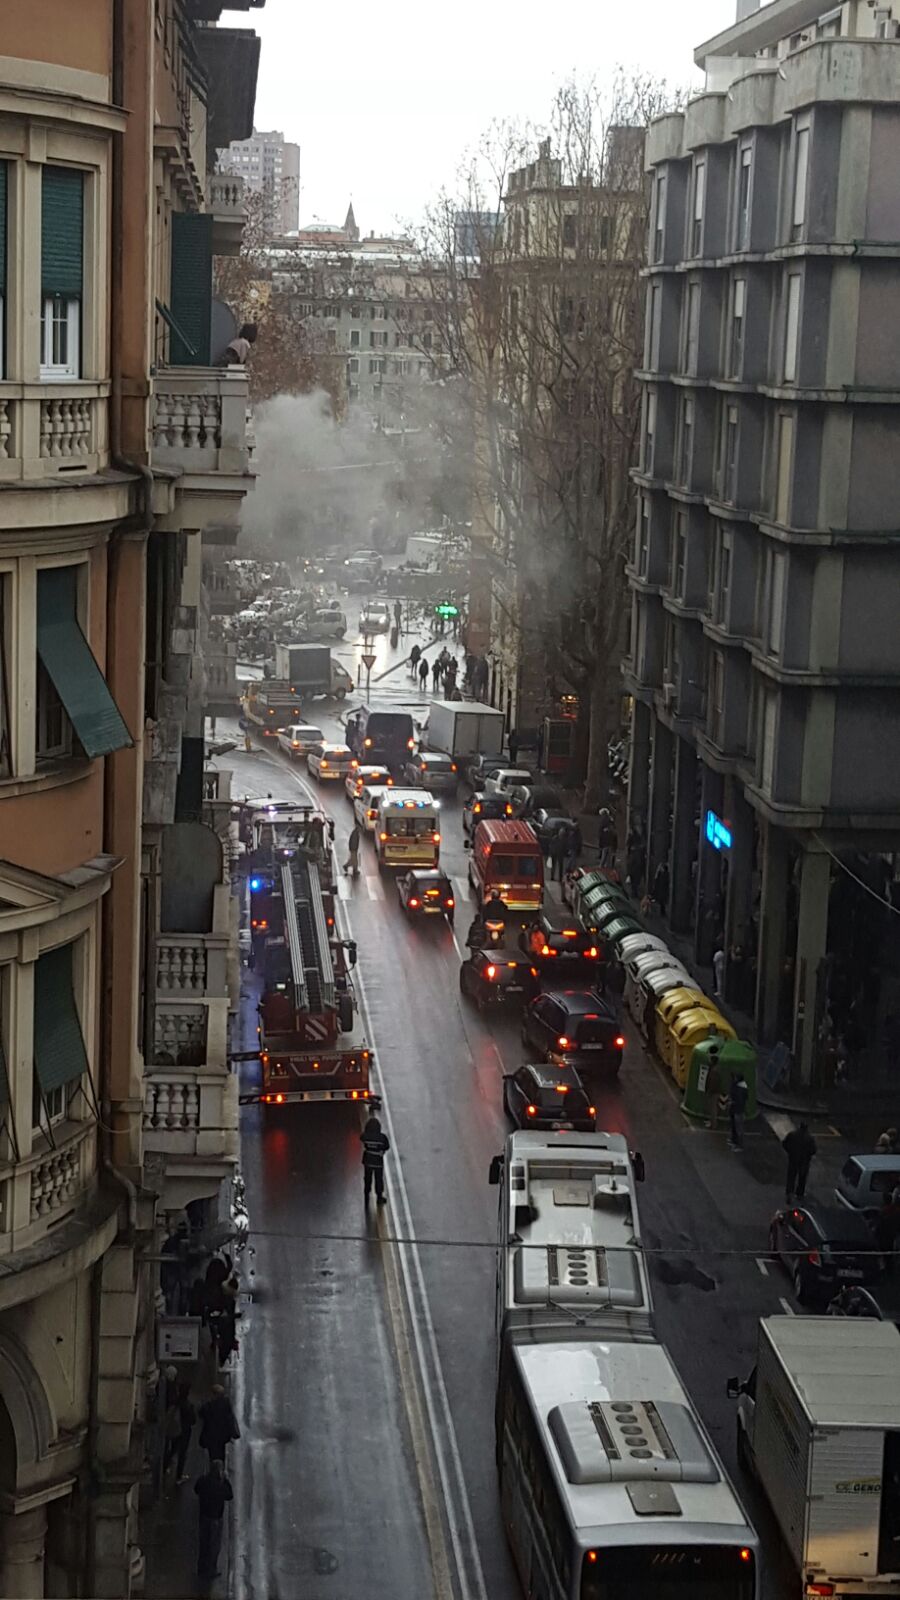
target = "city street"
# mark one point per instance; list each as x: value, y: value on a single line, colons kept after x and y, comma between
x: 366, y: 1370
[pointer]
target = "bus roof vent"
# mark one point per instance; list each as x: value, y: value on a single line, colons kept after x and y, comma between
x: 610, y: 1193
x: 624, y: 1441
x: 574, y: 1275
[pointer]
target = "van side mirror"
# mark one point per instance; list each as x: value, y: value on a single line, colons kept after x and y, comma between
x: 496, y: 1170
x: 638, y: 1167
x: 467, y: 844
x: 734, y: 1388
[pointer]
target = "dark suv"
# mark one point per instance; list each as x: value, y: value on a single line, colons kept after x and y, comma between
x: 575, y: 1026
x: 548, y: 1096
x: 561, y: 948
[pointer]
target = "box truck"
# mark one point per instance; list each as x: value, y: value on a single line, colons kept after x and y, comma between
x: 819, y: 1425
x: 306, y: 668
x: 465, y: 728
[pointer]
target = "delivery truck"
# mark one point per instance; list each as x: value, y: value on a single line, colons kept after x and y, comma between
x: 305, y: 667
x: 465, y: 728
x: 819, y: 1425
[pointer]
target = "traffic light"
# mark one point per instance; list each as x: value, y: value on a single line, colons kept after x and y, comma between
x: 446, y: 609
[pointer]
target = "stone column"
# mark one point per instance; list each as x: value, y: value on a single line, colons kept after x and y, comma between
x: 709, y: 869
x: 684, y: 836
x: 660, y: 805
x: 738, y: 906
x: 772, y: 931
x: 639, y: 767
x: 812, y: 936
x: 22, y: 1537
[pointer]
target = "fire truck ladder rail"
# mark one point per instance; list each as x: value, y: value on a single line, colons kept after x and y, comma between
x: 307, y: 936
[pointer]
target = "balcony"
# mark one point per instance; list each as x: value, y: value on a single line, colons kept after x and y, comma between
x: 225, y: 202
x: 52, y: 430
x: 191, y: 1117
x: 202, y: 430
x: 39, y: 1191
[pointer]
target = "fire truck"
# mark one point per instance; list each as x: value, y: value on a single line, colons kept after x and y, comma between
x: 312, y: 1042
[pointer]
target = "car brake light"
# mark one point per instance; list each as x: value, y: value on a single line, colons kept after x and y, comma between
x: 476, y: 809
x: 811, y: 1588
x: 436, y: 838
x: 593, y: 952
x: 569, y: 933
x: 509, y: 810
x: 354, y: 763
x: 562, y: 1088
x: 491, y: 972
x: 279, y: 1099
x: 532, y: 1111
x: 592, y: 1111
x: 814, y: 1258
x: 449, y: 903
x: 367, y: 743
x: 354, y: 1094
x: 410, y: 743
x: 384, y: 835
x: 453, y: 766
x: 414, y: 901
x: 562, y: 1041
x: 534, y: 972
x: 620, y: 1041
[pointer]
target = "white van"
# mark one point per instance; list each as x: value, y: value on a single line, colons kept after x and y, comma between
x: 407, y: 832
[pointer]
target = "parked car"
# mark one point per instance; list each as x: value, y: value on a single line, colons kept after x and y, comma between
x: 481, y: 807
x: 824, y: 1248
x: 865, y: 1180
x: 481, y: 768
x: 546, y: 825
x: 577, y: 1026
x: 545, y: 1095
x: 300, y: 738
x: 432, y: 770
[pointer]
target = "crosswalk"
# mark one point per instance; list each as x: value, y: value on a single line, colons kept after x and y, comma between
x: 372, y: 887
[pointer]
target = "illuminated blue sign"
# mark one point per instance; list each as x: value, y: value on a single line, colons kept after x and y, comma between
x: 717, y: 832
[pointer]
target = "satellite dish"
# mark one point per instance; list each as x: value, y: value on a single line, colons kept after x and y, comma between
x: 223, y: 327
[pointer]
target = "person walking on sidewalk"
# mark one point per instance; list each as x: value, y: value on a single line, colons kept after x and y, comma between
x: 213, y: 1492
x: 218, y: 1424
x: 352, y: 862
x: 414, y: 658
x: 180, y: 1419
x: 559, y: 849
x: 513, y: 746
x: 375, y: 1145
x: 574, y: 845
x: 738, y: 1096
x: 437, y: 668
x: 398, y: 616
x: 423, y: 673
x: 718, y: 971
x: 799, y: 1147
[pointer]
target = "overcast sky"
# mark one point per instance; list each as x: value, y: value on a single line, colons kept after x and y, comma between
x: 383, y: 100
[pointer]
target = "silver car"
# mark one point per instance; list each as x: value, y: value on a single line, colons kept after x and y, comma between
x: 430, y: 769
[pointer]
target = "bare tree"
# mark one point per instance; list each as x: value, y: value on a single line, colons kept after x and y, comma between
x: 540, y: 267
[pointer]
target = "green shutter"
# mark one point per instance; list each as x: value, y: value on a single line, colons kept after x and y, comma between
x: 3, y: 171
x: 62, y: 232
x: 59, y: 1053
x: 73, y: 671
x: 191, y: 297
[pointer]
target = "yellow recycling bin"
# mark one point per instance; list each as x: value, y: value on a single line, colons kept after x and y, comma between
x: 671, y: 1006
x: 688, y: 1029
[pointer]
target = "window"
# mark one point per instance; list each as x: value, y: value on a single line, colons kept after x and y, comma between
x: 377, y: 340
x: 742, y: 239
x: 785, y: 467
x: 643, y: 535
x: 355, y: 311
x: 687, y: 436
x: 715, y: 697
x: 401, y: 366
x: 730, y: 431
x: 354, y: 338
x: 376, y: 364
x: 60, y: 1058
x: 679, y: 553
x: 426, y: 340
x: 724, y: 550
x: 776, y: 568
x: 792, y: 327
x: 801, y: 176
x: 62, y: 271
x: 53, y: 730
x: 353, y: 365
x: 649, y: 428
x: 692, y: 328
x: 699, y: 202
x: 736, y: 343
x: 769, y: 732
x: 398, y: 339
x: 605, y: 229
x: 651, y: 354
x: 660, y: 217
x: 72, y: 694
x: 353, y: 392
x: 569, y: 232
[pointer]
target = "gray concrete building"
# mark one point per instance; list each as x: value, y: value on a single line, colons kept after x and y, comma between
x: 765, y: 651
x: 269, y: 165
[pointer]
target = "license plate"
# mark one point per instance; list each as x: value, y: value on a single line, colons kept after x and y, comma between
x: 561, y: 1125
x: 850, y: 1272
x: 570, y: 955
x: 513, y: 988
x: 431, y: 908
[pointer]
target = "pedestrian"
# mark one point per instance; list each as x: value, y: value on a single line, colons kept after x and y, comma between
x: 180, y: 1419
x: 398, y: 616
x: 559, y: 846
x: 375, y: 1145
x: 574, y: 845
x: 886, y: 1143
x: 352, y: 862
x: 718, y: 971
x: 513, y: 743
x: 423, y: 673
x: 436, y: 671
x: 799, y: 1147
x: 235, y: 354
x: 218, y: 1424
x: 248, y: 743
x: 738, y: 1095
x: 213, y: 1492
x: 414, y: 657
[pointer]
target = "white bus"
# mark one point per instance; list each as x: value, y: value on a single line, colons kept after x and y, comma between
x: 407, y: 832
x: 570, y: 1261
x: 610, y: 1487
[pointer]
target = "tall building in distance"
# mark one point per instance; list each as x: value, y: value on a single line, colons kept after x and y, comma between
x: 765, y: 658
x: 269, y: 165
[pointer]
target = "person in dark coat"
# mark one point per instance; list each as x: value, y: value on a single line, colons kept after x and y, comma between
x: 738, y: 1095
x: 559, y: 847
x: 661, y: 885
x: 423, y: 672
x: 436, y: 671
x: 218, y: 1424
x: 375, y: 1145
x: 180, y: 1419
x: 513, y: 745
x: 799, y: 1147
x: 213, y: 1492
x: 574, y: 844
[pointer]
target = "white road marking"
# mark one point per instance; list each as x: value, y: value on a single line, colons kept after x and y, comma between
x: 343, y: 887
x: 460, y: 889
x: 374, y: 888
x: 786, y: 1307
x: 763, y: 1266
x: 780, y: 1123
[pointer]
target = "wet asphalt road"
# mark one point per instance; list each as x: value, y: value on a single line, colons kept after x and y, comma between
x: 336, y: 1489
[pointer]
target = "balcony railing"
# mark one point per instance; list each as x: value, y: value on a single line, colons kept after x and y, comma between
x: 200, y: 424
x: 191, y: 1113
x: 191, y: 964
x: 39, y: 1189
x: 48, y: 429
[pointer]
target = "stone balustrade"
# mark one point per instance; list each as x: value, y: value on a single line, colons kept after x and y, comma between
x: 66, y: 429
x: 200, y: 424
x: 50, y: 428
x: 226, y: 196
x: 58, y: 1176
x: 191, y: 1114
x: 172, y: 1105
x: 181, y: 965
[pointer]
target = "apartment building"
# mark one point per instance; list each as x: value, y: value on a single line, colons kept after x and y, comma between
x: 117, y: 1110
x: 269, y: 164
x: 765, y: 658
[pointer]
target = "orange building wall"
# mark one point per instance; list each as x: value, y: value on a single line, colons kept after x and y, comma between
x: 56, y: 829
x: 67, y: 33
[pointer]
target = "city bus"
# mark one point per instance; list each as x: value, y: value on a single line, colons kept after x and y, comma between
x: 407, y: 833
x: 610, y: 1488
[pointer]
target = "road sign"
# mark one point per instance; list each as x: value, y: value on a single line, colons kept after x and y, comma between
x: 368, y: 662
x: 445, y: 609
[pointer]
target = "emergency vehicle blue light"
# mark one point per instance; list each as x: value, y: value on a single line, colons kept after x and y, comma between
x: 256, y: 883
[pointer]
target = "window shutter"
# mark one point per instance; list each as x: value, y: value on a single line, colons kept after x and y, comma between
x: 59, y: 1053
x: 73, y: 671
x: 3, y: 168
x: 62, y: 232
x: 191, y: 297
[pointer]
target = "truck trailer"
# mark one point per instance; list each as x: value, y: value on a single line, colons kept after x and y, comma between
x: 465, y: 728
x: 819, y: 1426
x: 305, y: 668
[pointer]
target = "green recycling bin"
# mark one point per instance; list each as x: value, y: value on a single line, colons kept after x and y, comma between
x: 713, y: 1064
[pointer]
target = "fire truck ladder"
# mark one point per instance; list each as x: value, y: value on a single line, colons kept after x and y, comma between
x: 307, y: 936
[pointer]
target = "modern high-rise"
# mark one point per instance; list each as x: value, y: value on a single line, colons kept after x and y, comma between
x: 269, y: 165
x: 765, y: 653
